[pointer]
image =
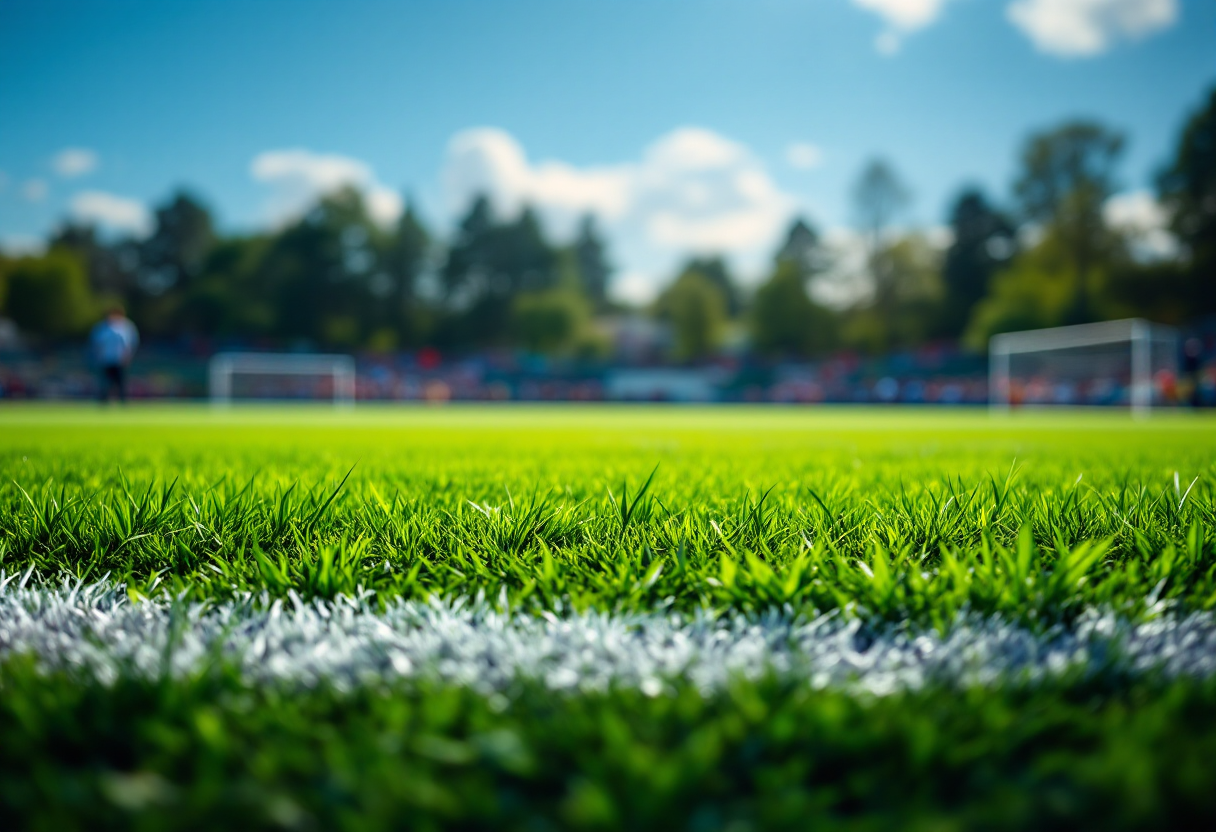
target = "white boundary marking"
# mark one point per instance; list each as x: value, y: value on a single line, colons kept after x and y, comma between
x: 97, y: 632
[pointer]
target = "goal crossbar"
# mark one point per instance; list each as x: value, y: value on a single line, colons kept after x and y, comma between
x: 225, y: 365
x: 1137, y: 333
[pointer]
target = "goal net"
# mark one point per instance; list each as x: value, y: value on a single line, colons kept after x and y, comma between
x: 281, y: 376
x: 1130, y: 363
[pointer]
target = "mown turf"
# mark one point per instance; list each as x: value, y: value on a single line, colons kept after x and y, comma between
x: 212, y: 753
x: 913, y: 515
x: 888, y: 515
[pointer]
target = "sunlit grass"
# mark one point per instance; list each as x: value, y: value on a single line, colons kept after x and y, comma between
x: 898, y: 515
x: 891, y: 519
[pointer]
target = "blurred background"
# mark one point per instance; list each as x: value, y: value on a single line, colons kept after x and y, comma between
x: 710, y: 200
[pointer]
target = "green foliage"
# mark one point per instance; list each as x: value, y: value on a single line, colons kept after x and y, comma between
x: 549, y: 321
x: 336, y: 278
x: 907, y: 294
x: 878, y: 197
x: 717, y: 272
x: 1082, y: 269
x: 591, y: 261
x: 903, y: 270
x: 178, y: 247
x: 321, y: 274
x: 490, y: 263
x: 1066, y: 176
x: 785, y: 321
x: 5, y: 264
x: 983, y: 241
x: 696, y: 309
x: 49, y: 295
x: 1188, y: 190
x: 1037, y: 290
x: 1168, y: 292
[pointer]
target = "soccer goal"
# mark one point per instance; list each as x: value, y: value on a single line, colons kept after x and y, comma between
x: 281, y: 376
x: 1130, y: 363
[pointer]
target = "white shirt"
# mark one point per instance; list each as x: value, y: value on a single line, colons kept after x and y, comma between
x: 114, y: 342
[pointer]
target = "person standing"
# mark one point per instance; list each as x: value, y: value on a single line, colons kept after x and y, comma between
x: 1192, y: 365
x: 113, y: 342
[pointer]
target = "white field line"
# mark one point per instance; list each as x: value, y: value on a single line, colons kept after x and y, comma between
x: 96, y: 632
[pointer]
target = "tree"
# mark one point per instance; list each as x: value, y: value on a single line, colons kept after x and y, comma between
x: 233, y: 295
x: 179, y: 245
x: 112, y: 267
x: 322, y: 275
x: 5, y: 265
x: 591, y: 257
x: 1188, y: 190
x: 1066, y: 176
x: 404, y: 260
x: 488, y: 264
x: 1036, y: 290
x: 984, y: 241
x: 49, y: 295
x: 904, y: 313
x: 904, y: 270
x: 803, y: 249
x: 696, y: 309
x: 785, y: 321
x: 878, y: 197
x: 715, y: 270
x: 497, y: 259
x: 549, y: 321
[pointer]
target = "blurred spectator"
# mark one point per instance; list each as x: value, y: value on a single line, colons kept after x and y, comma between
x: 1192, y: 363
x: 113, y: 343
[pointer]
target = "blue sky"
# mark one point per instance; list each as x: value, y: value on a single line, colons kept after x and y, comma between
x: 687, y: 124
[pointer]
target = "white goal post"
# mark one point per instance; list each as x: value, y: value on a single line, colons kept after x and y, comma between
x: 1118, y: 360
x: 225, y: 365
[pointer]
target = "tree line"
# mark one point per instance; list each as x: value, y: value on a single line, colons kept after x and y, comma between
x: 336, y: 279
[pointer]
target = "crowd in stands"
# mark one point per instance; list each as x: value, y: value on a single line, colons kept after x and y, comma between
x: 933, y: 375
x: 929, y: 375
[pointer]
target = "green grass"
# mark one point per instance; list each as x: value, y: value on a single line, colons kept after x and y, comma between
x: 899, y: 516
x: 212, y: 754
x: 908, y: 516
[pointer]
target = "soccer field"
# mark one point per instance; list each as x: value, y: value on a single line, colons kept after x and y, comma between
x: 606, y: 617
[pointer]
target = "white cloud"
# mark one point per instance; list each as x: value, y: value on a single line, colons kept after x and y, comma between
x: 114, y: 213
x: 902, y: 18
x: 1079, y: 28
x: 74, y: 161
x: 846, y: 280
x: 18, y: 245
x: 907, y: 15
x: 940, y: 237
x: 298, y: 177
x: 1141, y: 217
x: 804, y: 156
x: 692, y: 190
x: 1070, y: 28
x: 34, y: 190
x: 888, y: 43
x: 488, y: 160
x: 634, y: 288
